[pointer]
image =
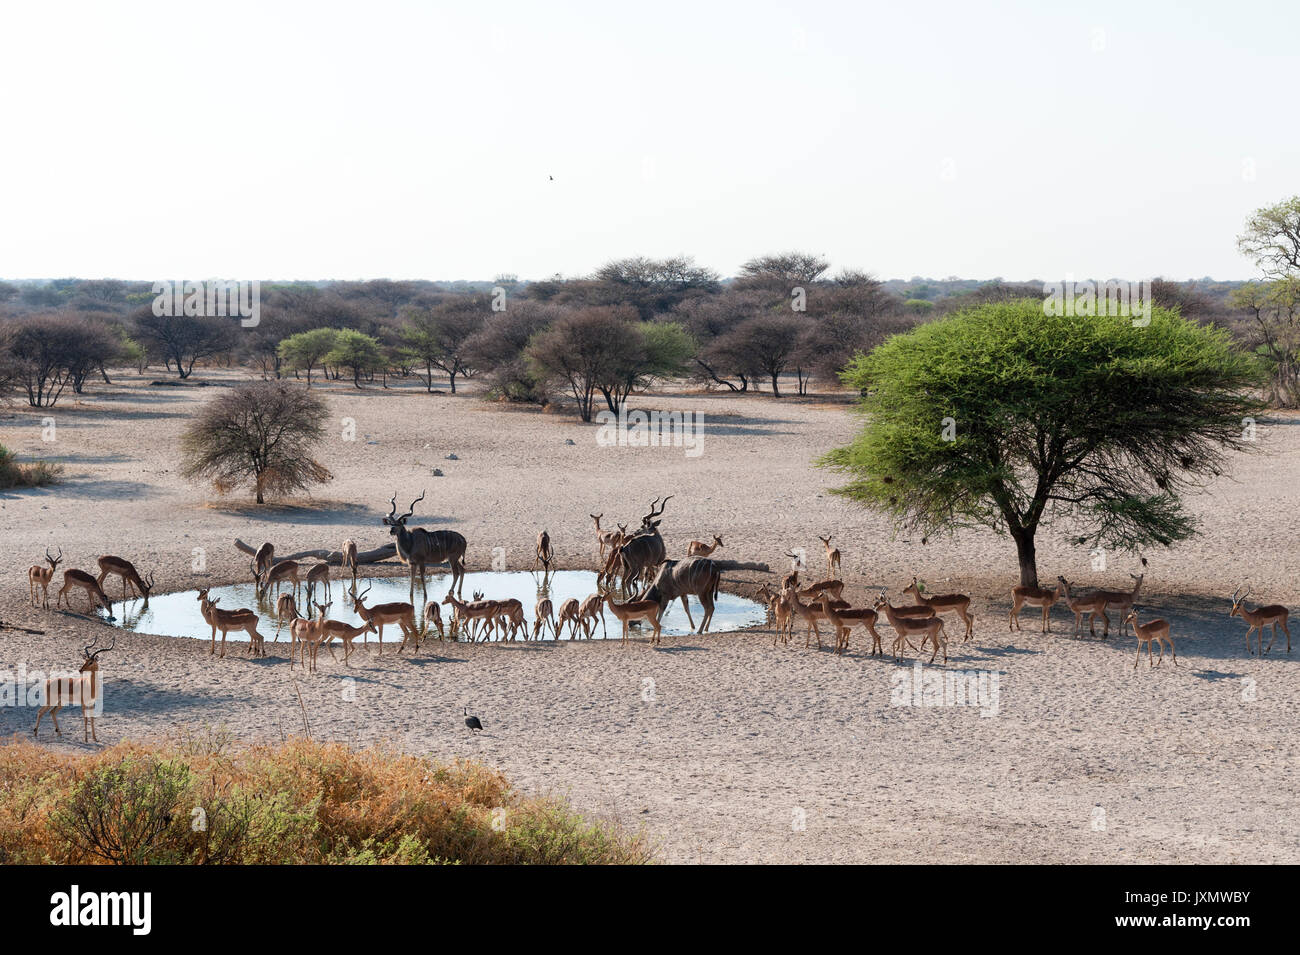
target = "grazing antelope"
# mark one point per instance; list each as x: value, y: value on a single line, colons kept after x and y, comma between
x: 510, y: 612
x: 280, y: 573
x: 262, y: 561
x: 318, y: 574
x: 402, y: 614
x: 693, y: 576
x: 833, y: 587
x: 80, y: 580
x: 347, y: 633
x: 1259, y: 618
x: 420, y: 548
x: 944, y: 603
x: 543, y: 553
x: 569, y: 611
x: 593, y: 609
x: 80, y: 690
x: 832, y: 556
x: 121, y: 567
x: 285, y: 606
x: 647, y: 610
x: 38, y: 576
x: 469, y: 613
x: 931, y: 627
x: 701, y: 549
x: 1091, y: 603
x: 433, y: 612
x: 349, y: 552
x: 845, y: 619
x: 1025, y: 596
x: 1157, y: 630
x: 543, y: 613
x: 227, y: 620
x: 1122, y: 600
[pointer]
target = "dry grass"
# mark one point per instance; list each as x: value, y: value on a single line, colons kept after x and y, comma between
x: 30, y: 474
x: 198, y: 801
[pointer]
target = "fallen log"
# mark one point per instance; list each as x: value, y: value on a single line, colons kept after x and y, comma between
x: 376, y: 556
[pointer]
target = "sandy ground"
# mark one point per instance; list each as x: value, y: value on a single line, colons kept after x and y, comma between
x: 724, y: 748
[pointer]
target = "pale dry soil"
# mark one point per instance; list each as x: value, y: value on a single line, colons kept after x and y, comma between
x: 720, y: 746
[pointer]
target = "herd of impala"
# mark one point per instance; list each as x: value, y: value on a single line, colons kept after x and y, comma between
x: 650, y: 581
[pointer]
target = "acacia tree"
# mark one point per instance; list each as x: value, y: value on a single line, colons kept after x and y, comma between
x: 358, y: 353
x: 437, y: 337
x: 1003, y: 417
x: 582, y: 350
x: 183, y: 340
x: 307, y: 350
x: 261, y: 431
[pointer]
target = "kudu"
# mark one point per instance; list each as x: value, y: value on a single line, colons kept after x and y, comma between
x: 643, y: 551
x: 80, y: 690
x: 698, y: 576
x: 419, y: 548
x: 38, y: 576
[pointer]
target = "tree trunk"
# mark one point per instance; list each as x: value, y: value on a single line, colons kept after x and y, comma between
x: 776, y: 389
x: 1027, y: 556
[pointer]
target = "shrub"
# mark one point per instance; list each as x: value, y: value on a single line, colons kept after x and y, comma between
x: 298, y: 802
x: 31, y: 474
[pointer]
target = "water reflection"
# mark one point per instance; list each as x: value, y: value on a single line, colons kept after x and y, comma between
x: 178, y: 614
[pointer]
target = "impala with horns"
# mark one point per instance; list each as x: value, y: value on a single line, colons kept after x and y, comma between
x: 1259, y: 618
x: 121, y: 567
x: 81, y: 690
x: 419, y: 548
x: 643, y: 551
x: 400, y: 613
x: 38, y: 576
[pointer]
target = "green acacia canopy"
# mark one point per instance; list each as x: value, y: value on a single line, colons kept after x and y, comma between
x: 1086, y: 417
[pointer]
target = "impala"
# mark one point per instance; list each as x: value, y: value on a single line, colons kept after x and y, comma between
x: 80, y: 690
x: 844, y: 620
x: 1157, y: 630
x: 1026, y: 596
x: 592, y: 609
x: 568, y: 614
x: 278, y: 574
x: 944, y: 603
x: 607, y: 539
x: 543, y: 613
x: 318, y: 574
x: 543, y: 552
x: 349, y: 560
x: 647, y: 610
x: 38, y: 576
x: 307, y: 632
x: 433, y: 613
x: 121, y: 567
x: 469, y: 613
x: 402, y: 614
x: 80, y: 580
x: 1091, y: 603
x: 701, y: 549
x: 285, y: 607
x: 227, y: 620
x: 832, y: 556
x: 1259, y: 618
x: 347, y: 633
x: 930, y: 627
x: 1122, y: 600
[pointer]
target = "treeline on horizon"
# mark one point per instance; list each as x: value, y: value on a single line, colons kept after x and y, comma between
x: 593, y: 339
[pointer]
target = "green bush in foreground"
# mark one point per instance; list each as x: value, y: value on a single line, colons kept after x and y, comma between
x: 296, y: 803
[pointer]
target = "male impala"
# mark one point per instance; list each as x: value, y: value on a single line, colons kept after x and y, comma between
x: 80, y: 580
x: 1259, y: 618
x: 121, y: 567
x: 38, y: 576
x: 1157, y: 630
x: 647, y: 610
x: 307, y: 633
x: 227, y: 620
x: 80, y: 690
x: 400, y: 613
x: 944, y: 603
x: 701, y: 549
x: 1025, y: 596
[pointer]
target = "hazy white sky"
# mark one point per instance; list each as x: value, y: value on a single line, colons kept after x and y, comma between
x: 415, y: 140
